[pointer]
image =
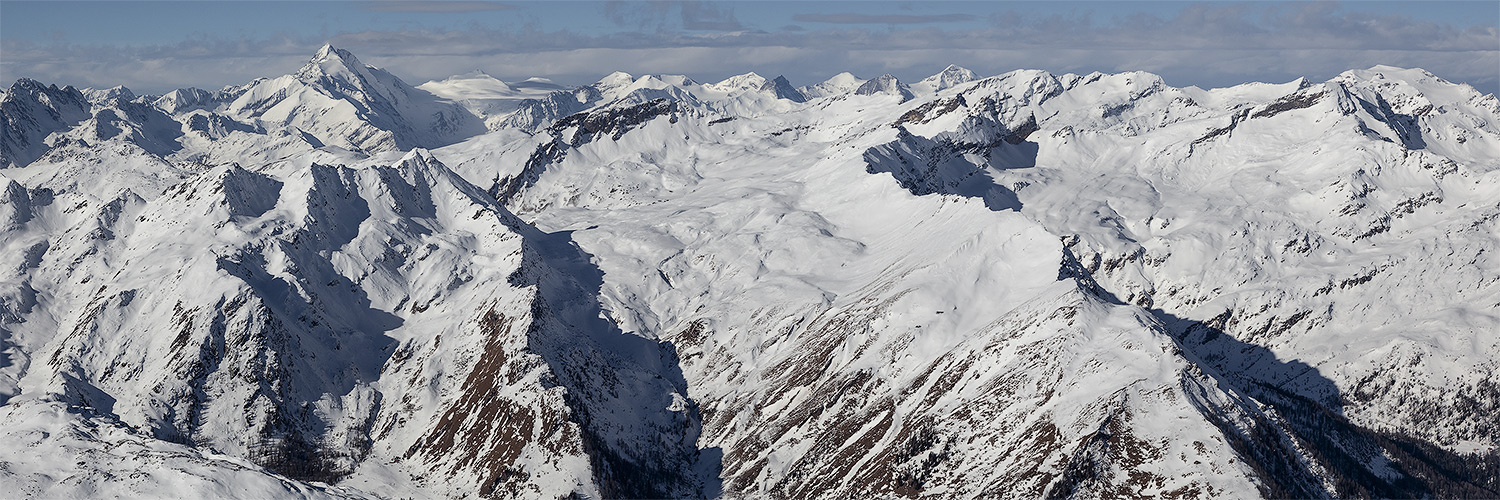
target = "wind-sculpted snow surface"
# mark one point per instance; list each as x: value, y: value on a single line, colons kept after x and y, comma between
x: 1028, y: 285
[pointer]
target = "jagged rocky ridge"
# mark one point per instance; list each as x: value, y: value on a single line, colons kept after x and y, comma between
x: 1024, y: 285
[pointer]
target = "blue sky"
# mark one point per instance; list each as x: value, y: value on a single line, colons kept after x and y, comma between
x: 157, y: 46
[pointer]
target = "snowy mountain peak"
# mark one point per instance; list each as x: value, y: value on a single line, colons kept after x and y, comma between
x: 616, y: 79
x: 1383, y: 71
x: 885, y: 84
x: 783, y: 89
x: 341, y: 74
x: 656, y: 81
x: 26, y: 85
x: 1409, y: 104
x: 739, y: 83
x: 844, y: 79
x: 1411, y: 82
x: 29, y: 112
x: 116, y: 92
x: 184, y: 100
x: 841, y: 83
x: 955, y: 69
x: 344, y: 103
x: 41, y: 91
x: 949, y: 77
x: 328, y: 53
x: 751, y: 82
x: 332, y: 62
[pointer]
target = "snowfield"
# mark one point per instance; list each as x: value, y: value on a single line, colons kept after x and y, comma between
x: 333, y: 284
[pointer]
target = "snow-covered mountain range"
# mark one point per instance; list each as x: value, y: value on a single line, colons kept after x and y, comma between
x: 332, y: 284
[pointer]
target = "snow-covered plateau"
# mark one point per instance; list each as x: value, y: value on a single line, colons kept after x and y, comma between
x: 333, y: 284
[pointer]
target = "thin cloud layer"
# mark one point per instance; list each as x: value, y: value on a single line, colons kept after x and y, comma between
x: 436, y: 6
x: 855, y: 18
x: 1204, y: 45
x: 660, y: 17
x: 708, y: 16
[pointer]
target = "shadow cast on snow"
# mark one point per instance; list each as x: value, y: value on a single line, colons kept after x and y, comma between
x: 328, y: 343
x: 947, y: 165
x: 1302, y: 409
x: 626, y: 392
x: 1357, y: 462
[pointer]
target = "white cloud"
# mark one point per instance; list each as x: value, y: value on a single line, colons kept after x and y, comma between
x: 1205, y: 45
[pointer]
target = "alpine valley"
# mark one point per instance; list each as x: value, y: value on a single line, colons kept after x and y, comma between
x: 333, y: 284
